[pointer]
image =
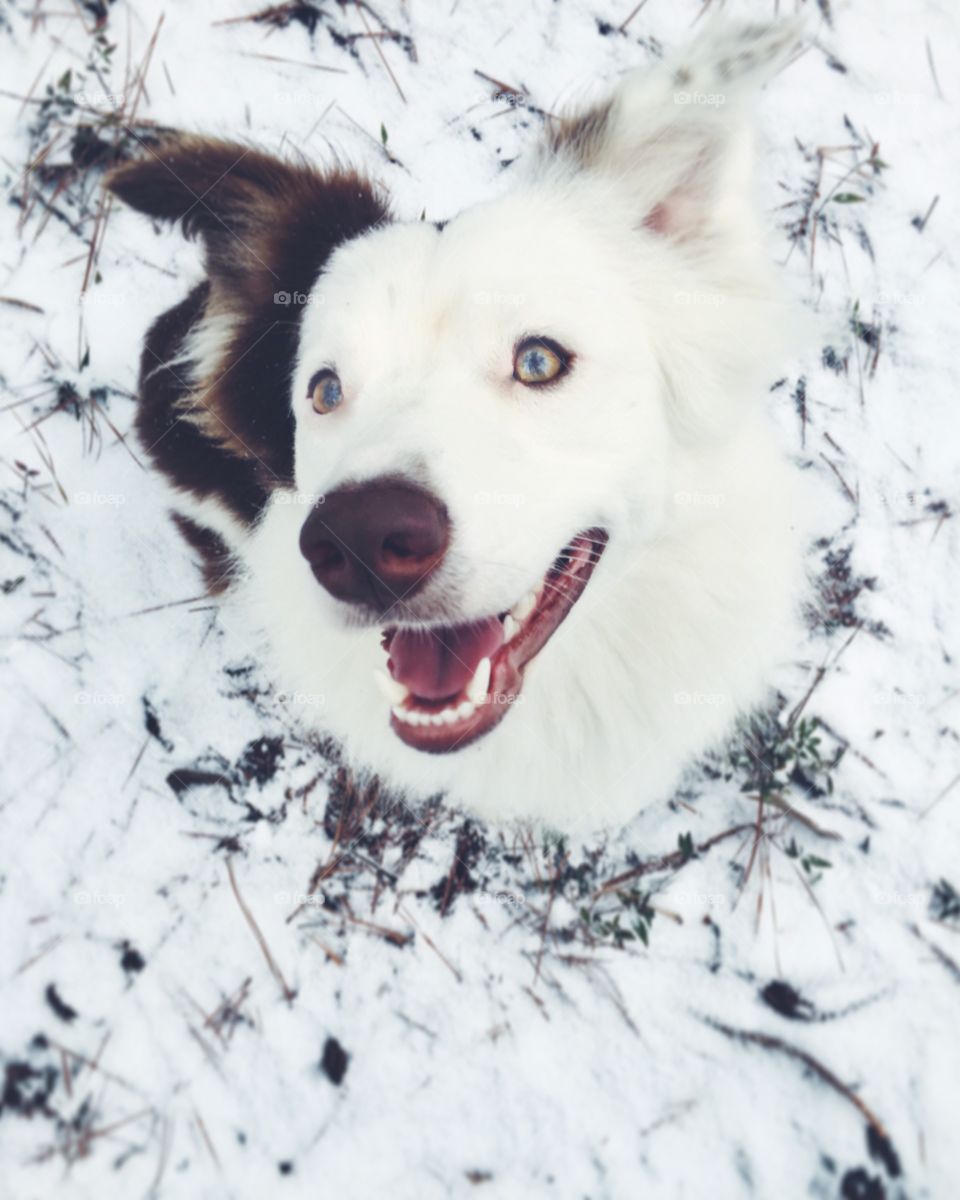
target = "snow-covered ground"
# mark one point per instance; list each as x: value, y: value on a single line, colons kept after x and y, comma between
x: 227, y: 968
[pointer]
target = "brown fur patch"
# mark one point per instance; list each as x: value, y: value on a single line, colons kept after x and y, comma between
x: 216, y: 561
x: 177, y: 447
x: 579, y: 136
x: 267, y: 227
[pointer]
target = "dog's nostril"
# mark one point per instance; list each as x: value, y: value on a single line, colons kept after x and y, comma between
x: 400, y: 545
x: 328, y: 557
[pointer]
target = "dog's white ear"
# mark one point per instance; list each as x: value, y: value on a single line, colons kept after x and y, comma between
x: 676, y: 136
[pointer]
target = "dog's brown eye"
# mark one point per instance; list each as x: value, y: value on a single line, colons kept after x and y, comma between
x: 325, y: 391
x: 539, y: 360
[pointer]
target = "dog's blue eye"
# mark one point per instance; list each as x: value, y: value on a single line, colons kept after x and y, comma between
x: 539, y: 360
x: 325, y: 391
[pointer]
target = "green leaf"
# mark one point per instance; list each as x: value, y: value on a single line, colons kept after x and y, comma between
x: 383, y: 133
x: 848, y: 198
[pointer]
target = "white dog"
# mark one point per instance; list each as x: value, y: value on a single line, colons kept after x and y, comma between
x: 501, y: 490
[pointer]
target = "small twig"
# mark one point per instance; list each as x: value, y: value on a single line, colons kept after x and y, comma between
x: 379, y: 48
x: 331, y: 954
x: 942, y: 955
x: 622, y: 28
x: 546, y: 916
x: 665, y: 862
x: 933, y: 69
x: 922, y: 223
x: 288, y: 993
x: 25, y: 304
x: 293, y: 62
x: 843, y: 482
x: 430, y: 942
x: 768, y: 1042
x: 933, y: 803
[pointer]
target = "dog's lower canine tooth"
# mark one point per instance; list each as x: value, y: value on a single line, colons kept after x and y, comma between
x: 466, y: 709
x: 510, y: 627
x: 476, y: 689
x: 393, y: 692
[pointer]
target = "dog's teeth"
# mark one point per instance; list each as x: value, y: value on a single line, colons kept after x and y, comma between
x: 447, y: 716
x: 393, y: 692
x: 523, y: 608
x: 511, y: 627
x: 477, y: 687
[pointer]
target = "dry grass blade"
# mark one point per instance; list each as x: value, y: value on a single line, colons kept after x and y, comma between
x: 288, y: 993
x: 769, y: 1042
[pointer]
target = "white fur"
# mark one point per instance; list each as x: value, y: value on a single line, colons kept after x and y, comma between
x: 657, y: 435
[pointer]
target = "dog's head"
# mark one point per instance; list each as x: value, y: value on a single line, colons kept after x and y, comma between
x: 485, y: 414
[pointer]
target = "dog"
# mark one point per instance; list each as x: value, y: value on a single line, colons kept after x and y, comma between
x: 500, y: 489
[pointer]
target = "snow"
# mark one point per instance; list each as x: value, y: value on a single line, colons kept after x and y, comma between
x: 495, y: 1042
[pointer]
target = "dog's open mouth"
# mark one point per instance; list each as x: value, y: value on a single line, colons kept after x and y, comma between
x: 449, y: 685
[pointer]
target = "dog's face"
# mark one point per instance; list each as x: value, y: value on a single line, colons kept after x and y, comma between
x: 453, y: 466
x: 492, y: 427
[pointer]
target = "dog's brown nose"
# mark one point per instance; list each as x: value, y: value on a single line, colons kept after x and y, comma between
x: 375, y: 544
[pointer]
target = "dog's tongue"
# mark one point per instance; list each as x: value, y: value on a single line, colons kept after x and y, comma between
x: 437, y: 663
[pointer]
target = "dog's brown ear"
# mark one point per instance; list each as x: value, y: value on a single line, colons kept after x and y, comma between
x: 248, y: 208
x: 267, y: 228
